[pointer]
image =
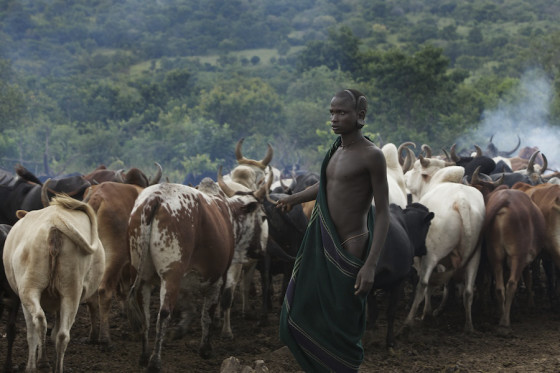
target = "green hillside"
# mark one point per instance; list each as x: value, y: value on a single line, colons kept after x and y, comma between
x: 127, y: 83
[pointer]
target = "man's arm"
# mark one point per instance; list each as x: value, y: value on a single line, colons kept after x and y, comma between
x: 378, y: 176
x: 309, y: 194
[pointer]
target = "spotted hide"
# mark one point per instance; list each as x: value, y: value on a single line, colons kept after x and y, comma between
x: 176, y: 233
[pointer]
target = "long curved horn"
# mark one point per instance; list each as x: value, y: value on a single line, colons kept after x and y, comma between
x: 426, y: 148
x: 400, y: 149
x: 424, y: 161
x: 408, y: 160
x: 44, y: 194
x: 507, y: 154
x: 268, y: 157
x: 474, y: 178
x: 238, y: 154
x: 544, y: 164
x: 225, y: 188
x: 531, y: 164
x: 454, y: 156
x: 478, y: 151
x: 447, y: 156
x: 157, y: 176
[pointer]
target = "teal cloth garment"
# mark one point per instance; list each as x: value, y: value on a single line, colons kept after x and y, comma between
x: 322, y: 321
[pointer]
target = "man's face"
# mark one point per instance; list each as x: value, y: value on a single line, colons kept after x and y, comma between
x: 343, y: 115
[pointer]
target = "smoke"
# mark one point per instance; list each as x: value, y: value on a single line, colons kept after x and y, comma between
x: 526, y: 116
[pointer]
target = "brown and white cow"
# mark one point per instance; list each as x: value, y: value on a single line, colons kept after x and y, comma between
x: 176, y: 233
x: 53, y: 260
x: 112, y: 202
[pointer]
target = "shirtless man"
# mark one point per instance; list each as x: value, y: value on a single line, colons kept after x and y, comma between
x: 323, y: 313
x: 356, y: 175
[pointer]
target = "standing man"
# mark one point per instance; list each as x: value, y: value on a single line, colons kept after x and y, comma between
x: 324, y: 311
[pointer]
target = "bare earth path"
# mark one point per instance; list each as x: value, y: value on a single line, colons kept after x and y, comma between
x: 437, y: 345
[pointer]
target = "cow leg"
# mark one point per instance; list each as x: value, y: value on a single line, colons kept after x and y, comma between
x: 168, y: 298
x: 107, y: 289
x: 207, y: 318
x: 11, y: 331
x: 511, y: 288
x: 144, y: 302
x: 36, y: 323
x: 65, y: 320
x: 245, y: 285
x: 93, y: 308
x: 471, y: 270
x: 527, y: 274
x: 395, y: 295
x: 265, y: 287
x: 427, y: 265
x: 233, y: 276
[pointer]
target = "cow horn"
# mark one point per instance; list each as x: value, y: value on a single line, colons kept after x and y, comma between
x: 423, y: 161
x: 478, y: 151
x: 263, y: 190
x: 446, y: 154
x: 454, y: 156
x: 474, y: 178
x: 119, y: 175
x: 238, y: 154
x: 225, y: 188
x: 531, y: 164
x: 544, y: 164
x: 268, y: 157
x: 426, y: 149
x: 400, y: 149
x: 507, y: 154
x: 44, y: 194
x: 409, y: 160
x: 157, y: 176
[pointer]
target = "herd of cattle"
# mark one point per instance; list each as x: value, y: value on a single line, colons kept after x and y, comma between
x: 117, y: 235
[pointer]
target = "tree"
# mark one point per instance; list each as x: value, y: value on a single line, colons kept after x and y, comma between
x: 415, y: 97
x: 340, y: 50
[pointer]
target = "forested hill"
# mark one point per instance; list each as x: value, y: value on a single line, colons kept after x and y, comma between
x: 126, y: 83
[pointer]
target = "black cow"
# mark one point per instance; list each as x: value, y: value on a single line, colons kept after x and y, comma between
x: 8, y: 299
x: 529, y: 176
x: 285, y: 233
x: 23, y: 192
x: 406, y: 239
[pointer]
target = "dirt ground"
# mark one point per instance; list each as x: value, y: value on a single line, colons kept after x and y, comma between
x: 435, y: 345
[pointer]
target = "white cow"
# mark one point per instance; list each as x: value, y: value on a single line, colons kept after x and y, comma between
x: 395, y: 176
x: 54, y: 260
x: 453, y: 237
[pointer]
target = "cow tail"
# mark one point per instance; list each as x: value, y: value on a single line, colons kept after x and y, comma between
x: 54, y: 243
x: 135, y: 312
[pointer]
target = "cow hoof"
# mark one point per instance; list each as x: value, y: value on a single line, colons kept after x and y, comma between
x: 504, y: 332
x: 177, y: 333
x: 144, y: 358
x: 154, y: 366
x: 106, y: 346
x: 391, y: 351
x: 205, y: 352
x: 227, y: 335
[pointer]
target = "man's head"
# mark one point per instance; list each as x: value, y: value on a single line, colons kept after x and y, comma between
x: 358, y: 101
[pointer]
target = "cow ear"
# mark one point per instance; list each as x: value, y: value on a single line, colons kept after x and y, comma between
x: 429, y: 217
x: 249, y: 208
x: 20, y: 214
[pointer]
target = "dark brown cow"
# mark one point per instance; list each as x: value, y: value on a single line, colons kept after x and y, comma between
x: 112, y: 202
x: 514, y: 231
x: 9, y: 299
x: 175, y: 231
x: 133, y: 176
